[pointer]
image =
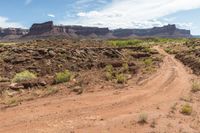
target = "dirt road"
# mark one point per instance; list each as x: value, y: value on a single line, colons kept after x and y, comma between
x: 114, y: 111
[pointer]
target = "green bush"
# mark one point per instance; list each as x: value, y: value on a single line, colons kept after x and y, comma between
x: 62, y: 77
x: 186, y: 109
x: 121, y: 78
x: 23, y: 76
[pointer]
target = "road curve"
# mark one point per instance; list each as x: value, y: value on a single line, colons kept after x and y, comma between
x: 102, y: 112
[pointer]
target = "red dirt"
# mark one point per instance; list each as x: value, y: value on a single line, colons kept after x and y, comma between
x: 110, y: 111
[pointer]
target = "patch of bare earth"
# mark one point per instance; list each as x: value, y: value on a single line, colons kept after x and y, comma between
x: 156, y: 100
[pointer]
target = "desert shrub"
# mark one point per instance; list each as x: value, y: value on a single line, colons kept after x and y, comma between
x: 108, y: 76
x: 12, y: 102
x: 109, y: 72
x: 62, y: 77
x: 51, y: 91
x: 168, y: 50
x: 125, y: 68
x: 186, y: 109
x: 120, y: 78
x: 109, y: 68
x: 195, y: 87
x: 148, y: 62
x: 123, y: 43
x: 143, y: 118
x: 23, y: 76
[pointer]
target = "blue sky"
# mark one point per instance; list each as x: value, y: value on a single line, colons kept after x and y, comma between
x: 102, y: 13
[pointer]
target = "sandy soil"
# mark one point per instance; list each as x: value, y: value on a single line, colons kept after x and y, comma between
x: 113, y: 111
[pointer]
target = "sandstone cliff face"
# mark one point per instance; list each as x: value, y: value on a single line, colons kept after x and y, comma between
x: 165, y: 31
x: 38, y: 29
x: 49, y: 29
x: 12, y: 31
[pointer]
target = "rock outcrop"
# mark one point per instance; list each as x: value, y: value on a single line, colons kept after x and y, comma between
x: 165, y: 31
x: 49, y: 29
x: 39, y: 29
x: 9, y: 33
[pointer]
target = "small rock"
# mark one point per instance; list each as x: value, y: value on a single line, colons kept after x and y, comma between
x: 42, y: 82
x: 77, y: 89
x: 52, y: 53
x: 16, y: 86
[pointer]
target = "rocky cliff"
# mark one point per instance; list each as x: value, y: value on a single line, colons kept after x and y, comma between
x: 9, y: 33
x: 49, y: 29
x: 38, y: 29
x: 165, y: 31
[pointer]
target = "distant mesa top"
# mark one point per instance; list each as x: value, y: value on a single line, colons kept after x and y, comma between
x: 49, y: 29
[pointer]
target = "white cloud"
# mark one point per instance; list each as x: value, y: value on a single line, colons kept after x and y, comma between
x: 5, y: 23
x: 27, y: 2
x: 51, y: 15
x: 135, y: 13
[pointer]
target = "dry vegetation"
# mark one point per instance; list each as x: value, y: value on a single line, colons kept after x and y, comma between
x: 41, y: 64
x: 40, y: 68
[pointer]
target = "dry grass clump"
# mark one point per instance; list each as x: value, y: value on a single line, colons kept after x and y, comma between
x: 142, y: 118
x: 62, y: 77
x: 195, y: 87
x: 24, y: 76
x: 186, y: 109
x: 121, y: 78
x: 116, y: 75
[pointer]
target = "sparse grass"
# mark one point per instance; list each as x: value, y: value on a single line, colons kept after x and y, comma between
x: 123, y: 43
x: 108, y: 76
x: 173, y: 108
x: 117, y: 75
x: 186, y: 109
x: 109, y: 72
x: 142, y: 119
x: 148, y: 62
x: 23, y: 76
x: 26, y: 95
x: 12, y: 102
x: 6, y: 43
x: 62, y: 77
x: 195, y: 87
x: 121, y: 78
x: 186, y: 98
x: 51, y: 91
x: 109, y: 68
x: 125, y: 68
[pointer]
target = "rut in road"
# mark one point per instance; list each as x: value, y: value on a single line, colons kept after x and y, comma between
x: 99, y: 111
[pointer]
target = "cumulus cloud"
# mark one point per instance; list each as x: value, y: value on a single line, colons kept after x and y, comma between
x: 51, y: 15
x: 5, y: 23
x: 135, y: 13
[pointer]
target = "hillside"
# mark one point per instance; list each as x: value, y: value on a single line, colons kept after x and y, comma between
x: 48, y: 29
